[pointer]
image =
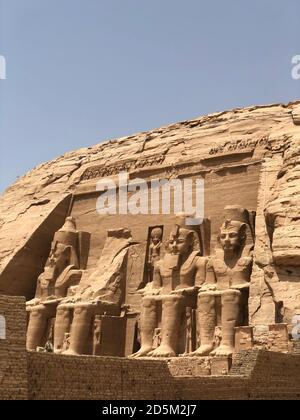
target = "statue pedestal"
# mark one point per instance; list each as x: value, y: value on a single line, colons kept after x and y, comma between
x: 243, y: 338
x: 194, y: 366
x: 220, y: 365
x: 190, y: 366
x: 278, y: 338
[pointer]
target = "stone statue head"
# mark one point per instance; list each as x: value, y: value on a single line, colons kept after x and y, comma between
x: 58, y: 252
x: 156, y: 235
x: 232, y: 236
x: 233, y: 232
x: 181, y: 241
x: 65, y: 244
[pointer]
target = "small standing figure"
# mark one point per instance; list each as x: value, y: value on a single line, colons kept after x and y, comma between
x: 154, y: 250
x: 66, y: 342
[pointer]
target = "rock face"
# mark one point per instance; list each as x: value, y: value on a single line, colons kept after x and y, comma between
x: 247, y: 157
x: 283, y: 209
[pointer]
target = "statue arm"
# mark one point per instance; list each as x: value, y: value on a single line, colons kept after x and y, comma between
x: 210, y: 283
x: 38, y: 291
x: 150, y: 254
x: 210, y: 273
x: 157, y: 283
x: 200, y: 277
x: 154, y: 287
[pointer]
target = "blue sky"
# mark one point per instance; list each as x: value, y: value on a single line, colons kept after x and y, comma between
x: 83, y: 71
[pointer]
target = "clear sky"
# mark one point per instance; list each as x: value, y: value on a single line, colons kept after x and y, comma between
x: 83, y: 71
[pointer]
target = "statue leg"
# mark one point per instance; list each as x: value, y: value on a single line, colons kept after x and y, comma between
x: 172, y: 309
x: 148, y: 323
x: 206, y: 320
x: 81, y: 329
x: 61, y: 327
x: 231, y: 305
x: 37, y: 327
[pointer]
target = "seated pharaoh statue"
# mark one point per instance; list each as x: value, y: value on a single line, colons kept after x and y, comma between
x: 63, y: 270
x: 173, y: 289
x: 223, y: 298
x: 102, y: 293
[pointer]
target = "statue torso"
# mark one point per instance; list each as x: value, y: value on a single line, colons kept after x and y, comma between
x: 174, y: 274
x: 230, y: 275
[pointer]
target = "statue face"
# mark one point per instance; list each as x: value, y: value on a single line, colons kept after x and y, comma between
x: 156, y: 235
x: 57, y: 252
x: 230, y: 238
x: 155, y: 238
x: 180, y: 244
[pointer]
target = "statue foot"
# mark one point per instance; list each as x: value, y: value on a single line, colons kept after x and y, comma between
x: 204, y: 350
x: 163, y: 351
x: 223, y: 350
x: 143, y: 351
x: 70, y: 353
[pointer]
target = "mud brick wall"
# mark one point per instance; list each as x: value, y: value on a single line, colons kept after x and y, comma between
x: 13, y: 357
x: 86, y: 377
x: 213, y: 388
x: 276, y: 376
x: 244, y: 363
x: 100, y: 378
x: 254, y: 375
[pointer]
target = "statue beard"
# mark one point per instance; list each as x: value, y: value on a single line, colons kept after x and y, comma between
x: 172, y: 260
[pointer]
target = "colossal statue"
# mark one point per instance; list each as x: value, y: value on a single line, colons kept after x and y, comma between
x: 101, y: 294
x: 223, y: 297
x: 63, y: 270
x: 173, y: 289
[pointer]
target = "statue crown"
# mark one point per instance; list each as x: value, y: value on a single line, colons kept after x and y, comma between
x: 236, y: 214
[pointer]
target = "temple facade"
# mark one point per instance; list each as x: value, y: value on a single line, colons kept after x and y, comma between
x: 152, y: 284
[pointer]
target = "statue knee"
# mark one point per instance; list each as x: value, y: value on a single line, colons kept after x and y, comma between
x: 62, y: 313
x: 83, y: 311
x: 173, y: 301
x: 148, y: 302
x: 61, y: 310
x: 38, y: 312
x: 231, y: 296
x: 206, y: 298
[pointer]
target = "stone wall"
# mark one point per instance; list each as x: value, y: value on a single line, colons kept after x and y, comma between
x: 275, y: 376
x: 254, y: 375
x: 13, y: 358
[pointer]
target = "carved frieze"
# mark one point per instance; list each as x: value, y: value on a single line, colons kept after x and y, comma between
x: 129, y: 165
x: 239, y: 145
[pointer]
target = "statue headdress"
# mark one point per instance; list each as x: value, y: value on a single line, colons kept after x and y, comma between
x: 238, y: 217
x: 68, y: 236
x: 190, y: 230
x: 235, y: 216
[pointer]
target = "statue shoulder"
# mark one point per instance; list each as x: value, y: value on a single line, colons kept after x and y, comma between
x: 248, y: 250
x: 157, y: 265
x: 201, y: 261
x: 247, y: 254
x: 210, y: 263
x: 217, y: 256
